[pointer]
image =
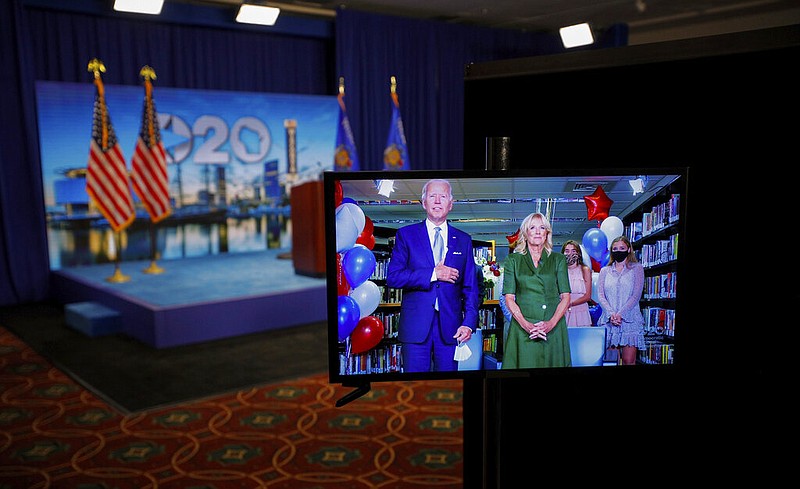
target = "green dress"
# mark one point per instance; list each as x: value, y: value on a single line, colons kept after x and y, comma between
x: 537, y: 291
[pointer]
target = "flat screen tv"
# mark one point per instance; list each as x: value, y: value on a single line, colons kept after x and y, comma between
x: 364, y: 210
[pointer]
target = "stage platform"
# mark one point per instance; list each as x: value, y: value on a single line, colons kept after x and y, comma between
x: 199, y: 299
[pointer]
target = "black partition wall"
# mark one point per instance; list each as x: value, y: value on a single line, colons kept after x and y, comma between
x: 720, y: 105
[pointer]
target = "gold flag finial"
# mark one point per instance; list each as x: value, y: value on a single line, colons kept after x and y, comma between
x: 341, y: 85
x: 96, y: 66
x: 394, y: 84
x: 147, y: 73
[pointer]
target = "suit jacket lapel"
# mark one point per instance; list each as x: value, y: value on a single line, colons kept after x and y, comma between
x: 425, y: 242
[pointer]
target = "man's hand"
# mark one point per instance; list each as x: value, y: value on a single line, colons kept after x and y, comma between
x: 464, y: 333
x: 446, y: 274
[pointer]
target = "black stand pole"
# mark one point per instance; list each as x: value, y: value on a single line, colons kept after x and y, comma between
x: 480, y: 449
x: 482, y: 394
x: 359, y: 391
x: 498, y: 153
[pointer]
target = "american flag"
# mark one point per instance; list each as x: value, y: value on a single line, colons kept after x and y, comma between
x: 107, y: 176
x: 149, y: 175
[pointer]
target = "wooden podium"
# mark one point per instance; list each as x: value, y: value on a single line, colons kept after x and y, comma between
x: 308, y: 229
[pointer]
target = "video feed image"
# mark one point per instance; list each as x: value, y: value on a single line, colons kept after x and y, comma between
x: 526, y: 271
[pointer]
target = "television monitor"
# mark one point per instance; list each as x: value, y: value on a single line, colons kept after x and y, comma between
x: 364, y: 209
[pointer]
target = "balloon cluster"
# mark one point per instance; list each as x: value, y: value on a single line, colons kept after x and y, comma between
x: 597, y: 241
x: 357, y: 296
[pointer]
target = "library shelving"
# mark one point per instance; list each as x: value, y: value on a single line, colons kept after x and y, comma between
x: 653, y: 229
x: 385, y: 357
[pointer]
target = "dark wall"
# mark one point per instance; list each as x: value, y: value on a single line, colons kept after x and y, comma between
x: 722, y: 106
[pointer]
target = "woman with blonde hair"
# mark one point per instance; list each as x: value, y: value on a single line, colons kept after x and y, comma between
x: 619, y: 290
x: 537, y: 293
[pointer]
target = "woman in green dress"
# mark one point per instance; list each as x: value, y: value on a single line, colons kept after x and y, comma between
x: 537, y: 293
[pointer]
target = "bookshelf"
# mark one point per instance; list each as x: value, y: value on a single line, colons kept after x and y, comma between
x: 653, y: 231
x: 490, y: 318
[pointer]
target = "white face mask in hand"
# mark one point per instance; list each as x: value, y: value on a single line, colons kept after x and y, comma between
x: 462, y: 352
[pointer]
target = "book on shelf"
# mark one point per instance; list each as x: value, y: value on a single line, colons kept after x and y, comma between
x: 657, y: 353
x: 661, y: 286
x: 661, y: 215
x: 660, y: 252
x: 490, y: 343
x: 659, y: 320
x: 381, y: 359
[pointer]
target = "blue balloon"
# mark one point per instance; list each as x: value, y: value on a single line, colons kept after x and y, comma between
x: 595, y: 311
x: 348, y: 200
x: 349, y: 314
x: 358, y: 264
x: 596, y: 243
x: 603, y: 261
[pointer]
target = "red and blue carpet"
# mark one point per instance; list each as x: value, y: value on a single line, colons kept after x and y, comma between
x: 287, y: 435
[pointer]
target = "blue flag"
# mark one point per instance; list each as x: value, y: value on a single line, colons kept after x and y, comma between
x: 345, y: 157
x: 395, y: 156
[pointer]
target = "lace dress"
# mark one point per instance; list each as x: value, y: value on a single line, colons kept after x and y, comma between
x: 577, y: 315
x: 620, y: 292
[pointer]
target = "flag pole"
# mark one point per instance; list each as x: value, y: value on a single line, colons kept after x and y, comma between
x: 96, y: 67
x: 118, y: 277
x: 148, y: 74
x: 153, y: 269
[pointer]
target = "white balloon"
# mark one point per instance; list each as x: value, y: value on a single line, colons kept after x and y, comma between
x: 613, y: 228
x: 348, y: 218
x: 355, y: 213
x: 587, y: 260
x: 367, y: 296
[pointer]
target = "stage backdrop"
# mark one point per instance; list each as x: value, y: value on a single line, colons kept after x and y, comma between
x: 232, y: 158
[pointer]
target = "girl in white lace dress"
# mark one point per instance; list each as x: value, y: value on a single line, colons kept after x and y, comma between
x: 619, y: 290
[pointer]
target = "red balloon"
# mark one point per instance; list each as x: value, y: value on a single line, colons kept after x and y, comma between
x: 338, y: 194
x: 342, y: 287
x: 596, y: 266
x: 367, y: 334
x: 368, y: 241
x: 597, y: 204
x: 369, y: 227
x: 366, y: 237
x: 512, y: 238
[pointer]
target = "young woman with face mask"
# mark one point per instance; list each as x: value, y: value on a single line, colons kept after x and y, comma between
x: 619, y: 290
x: 580, y: 282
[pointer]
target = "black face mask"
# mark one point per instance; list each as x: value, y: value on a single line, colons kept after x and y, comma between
x: 619, y: 256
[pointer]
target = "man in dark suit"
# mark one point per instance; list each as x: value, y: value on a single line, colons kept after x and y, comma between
x: 432, y: 262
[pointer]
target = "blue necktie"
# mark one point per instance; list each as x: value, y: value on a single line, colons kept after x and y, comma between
x: 438, y: 253
x: 438, y: 245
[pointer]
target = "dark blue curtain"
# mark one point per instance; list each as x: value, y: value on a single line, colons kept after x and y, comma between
x: 40, y: 41
x: 428, y: 58
x: 45, y: 44
x: 183, y: 56
x: 24, y: 265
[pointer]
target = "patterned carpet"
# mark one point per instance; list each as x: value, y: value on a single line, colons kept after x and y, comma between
x: 56, y: 434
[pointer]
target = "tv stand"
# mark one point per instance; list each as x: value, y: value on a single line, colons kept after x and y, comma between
x: 360, y: 390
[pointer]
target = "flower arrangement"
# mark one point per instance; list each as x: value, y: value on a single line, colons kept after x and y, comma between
x: 489, y: 273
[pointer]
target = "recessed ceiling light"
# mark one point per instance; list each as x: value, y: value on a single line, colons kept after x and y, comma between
x: 576, y: 35
x: 152, y: 7
x: 257, y: 14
